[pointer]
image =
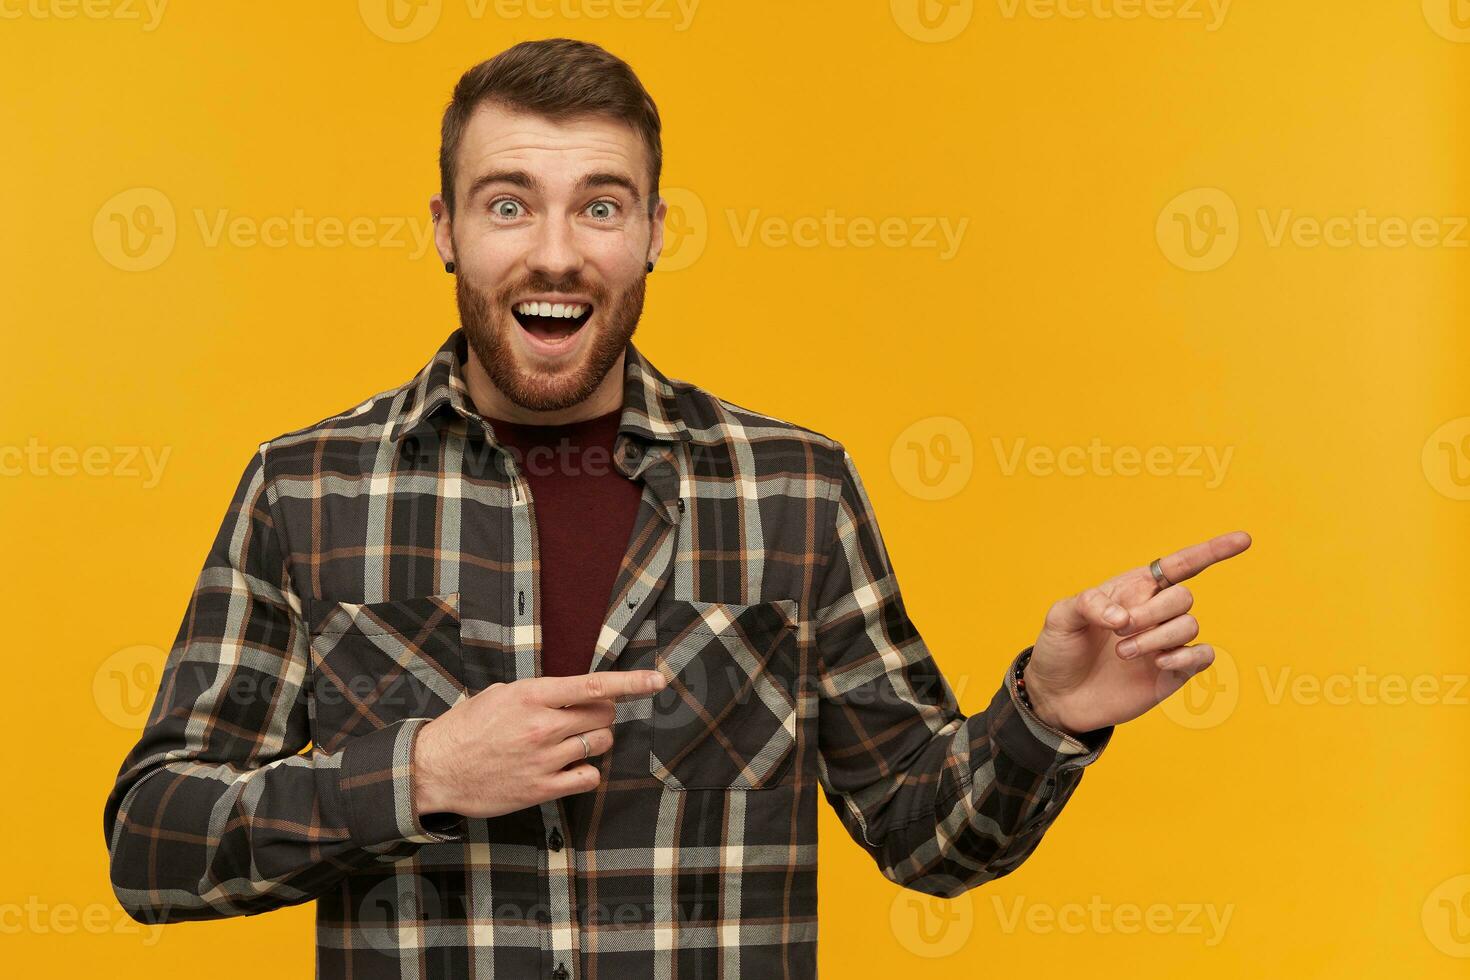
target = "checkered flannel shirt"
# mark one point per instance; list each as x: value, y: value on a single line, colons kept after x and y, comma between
x: 380, y: 565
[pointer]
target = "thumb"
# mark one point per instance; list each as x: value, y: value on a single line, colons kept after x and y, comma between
x: 1090, y: 608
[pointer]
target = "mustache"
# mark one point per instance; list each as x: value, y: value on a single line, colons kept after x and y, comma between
x: 505, y: 295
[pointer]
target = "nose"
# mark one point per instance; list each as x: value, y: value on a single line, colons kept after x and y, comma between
x: 555, y: 253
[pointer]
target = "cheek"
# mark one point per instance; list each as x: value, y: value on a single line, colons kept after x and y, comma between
x: 617, y: 259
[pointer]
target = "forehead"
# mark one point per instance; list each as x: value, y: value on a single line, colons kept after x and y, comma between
x: 498, y: 137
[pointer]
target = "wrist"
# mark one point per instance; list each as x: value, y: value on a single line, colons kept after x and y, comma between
x: 423, y: 776
x: 1041, y: 702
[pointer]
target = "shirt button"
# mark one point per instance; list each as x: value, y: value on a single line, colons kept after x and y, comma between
x: 560, y: 973
x: 553, y: 840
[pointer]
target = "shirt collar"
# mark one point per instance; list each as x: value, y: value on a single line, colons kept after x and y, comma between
x: 438, y: 391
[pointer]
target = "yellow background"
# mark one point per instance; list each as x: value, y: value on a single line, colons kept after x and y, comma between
x: 1331, y: 829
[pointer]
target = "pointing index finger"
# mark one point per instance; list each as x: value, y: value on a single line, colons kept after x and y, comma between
x: 1189, y: 562
x: 560, y: 692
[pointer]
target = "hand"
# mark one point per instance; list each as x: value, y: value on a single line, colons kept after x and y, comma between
x: 515, y: 745
x: 1107, y: 655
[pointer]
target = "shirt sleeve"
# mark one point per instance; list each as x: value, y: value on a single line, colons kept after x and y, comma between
x: 217, y: 811
x: 940, y: 800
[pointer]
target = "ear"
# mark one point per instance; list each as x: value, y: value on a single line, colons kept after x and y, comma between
x: 443, y: 233
x: 656, y: 232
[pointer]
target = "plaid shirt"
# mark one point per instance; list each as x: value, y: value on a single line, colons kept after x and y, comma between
x: 375, y: 568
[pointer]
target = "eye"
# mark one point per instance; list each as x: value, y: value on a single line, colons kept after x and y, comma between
x: 505, y: 207
x: 603, y: 210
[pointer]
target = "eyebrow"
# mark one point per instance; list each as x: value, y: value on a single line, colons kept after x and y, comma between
x: 519, y: 178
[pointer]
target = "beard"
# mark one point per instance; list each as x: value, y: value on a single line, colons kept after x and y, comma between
x: 488, y: 324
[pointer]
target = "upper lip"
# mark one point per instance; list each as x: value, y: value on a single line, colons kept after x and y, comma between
x: 552, y: 298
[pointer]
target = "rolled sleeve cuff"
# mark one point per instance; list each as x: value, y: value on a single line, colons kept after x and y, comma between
x: 376, y: 784
x: 1033, y: 743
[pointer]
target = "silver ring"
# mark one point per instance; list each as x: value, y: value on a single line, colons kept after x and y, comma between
x: 1158, y: 572
x: 586, y: 746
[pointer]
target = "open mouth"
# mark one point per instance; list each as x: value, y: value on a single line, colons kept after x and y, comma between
x: 551, y: 323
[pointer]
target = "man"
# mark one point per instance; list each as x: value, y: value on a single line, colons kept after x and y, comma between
x: 532, y: 666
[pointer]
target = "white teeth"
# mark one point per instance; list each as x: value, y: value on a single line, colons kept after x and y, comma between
x: 568, y: 311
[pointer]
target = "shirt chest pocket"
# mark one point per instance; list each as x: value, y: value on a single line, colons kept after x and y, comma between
x: 727, y: 718
x: 375, y: 663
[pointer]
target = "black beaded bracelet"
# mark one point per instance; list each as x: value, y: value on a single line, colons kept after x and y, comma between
x: 1021, y: 663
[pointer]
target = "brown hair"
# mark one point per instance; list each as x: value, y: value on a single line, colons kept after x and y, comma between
x: 557, y: 78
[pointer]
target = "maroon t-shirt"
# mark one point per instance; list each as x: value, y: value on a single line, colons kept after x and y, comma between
x: 584, y: 512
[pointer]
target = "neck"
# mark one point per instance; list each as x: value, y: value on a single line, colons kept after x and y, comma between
x: 492, y: 402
